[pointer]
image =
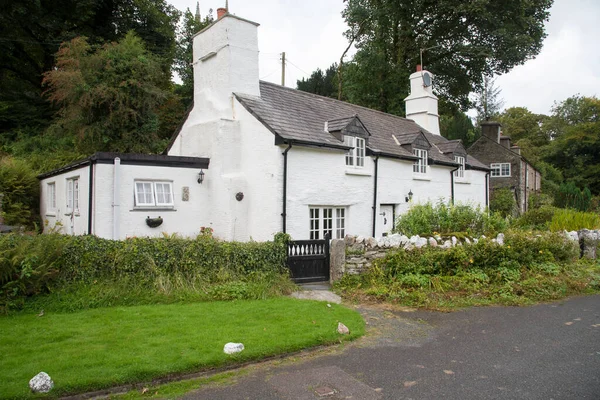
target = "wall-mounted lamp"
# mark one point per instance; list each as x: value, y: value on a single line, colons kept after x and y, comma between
x: 201, y: 176
x: 409, y: 197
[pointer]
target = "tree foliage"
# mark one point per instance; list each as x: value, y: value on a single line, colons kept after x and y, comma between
x: 465, y: 41
x: 108, y: 97
x: 488, y: 102
x: 321, y: 83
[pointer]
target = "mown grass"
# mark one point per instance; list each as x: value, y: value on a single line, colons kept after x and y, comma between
x: 104, y: 347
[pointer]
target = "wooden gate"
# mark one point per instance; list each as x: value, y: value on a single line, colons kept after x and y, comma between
x: 308, y: 260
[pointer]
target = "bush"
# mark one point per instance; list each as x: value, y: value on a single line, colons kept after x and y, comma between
x: 569, y: 196
x: 535, y: 218
x: 31, y: 265
x: 20, y: 189
x: 427, y: 219
x: 503, y: 202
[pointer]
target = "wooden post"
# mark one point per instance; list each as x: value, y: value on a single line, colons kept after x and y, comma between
x: 283, y: 69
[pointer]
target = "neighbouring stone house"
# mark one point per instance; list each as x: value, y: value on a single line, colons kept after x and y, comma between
x: 509, y: 169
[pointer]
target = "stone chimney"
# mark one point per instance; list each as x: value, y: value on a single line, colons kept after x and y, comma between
x: 491, y: 130
x: 422, y: 104
x: 505, y: 141
x: 516, y: 149
x: 225, y: 61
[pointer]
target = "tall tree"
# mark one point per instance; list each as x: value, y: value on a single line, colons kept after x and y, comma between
x: 32, y: 30
x: 488, y: 102
x: 321, y: 83
x: 464, y: 40
x: 190, y: 25
x: 107, y: 97
x: 575, y: 149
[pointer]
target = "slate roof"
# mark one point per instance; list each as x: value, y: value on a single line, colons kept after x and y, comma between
x: 300, y: 117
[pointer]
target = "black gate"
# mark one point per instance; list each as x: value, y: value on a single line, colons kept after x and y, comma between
x: 308, y: 260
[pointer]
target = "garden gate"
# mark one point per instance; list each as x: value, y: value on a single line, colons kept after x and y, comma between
x: 308, y: 260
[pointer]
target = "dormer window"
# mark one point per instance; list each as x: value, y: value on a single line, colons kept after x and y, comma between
x: 460, y: 172
x: 355, y: 157
x: 420, y: 165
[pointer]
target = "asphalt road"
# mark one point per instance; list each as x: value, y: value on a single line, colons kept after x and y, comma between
x: 548, y: 351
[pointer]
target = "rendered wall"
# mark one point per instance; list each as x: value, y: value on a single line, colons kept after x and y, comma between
x: 60, y: 219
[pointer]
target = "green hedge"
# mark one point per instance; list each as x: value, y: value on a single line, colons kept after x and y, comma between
x: 39, y: 264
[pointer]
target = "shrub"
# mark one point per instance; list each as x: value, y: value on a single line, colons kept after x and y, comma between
x: 503, y: 202
x: 535, y: 218
x: 569, y: 196
x: 20, y: 189
x: 426, y: 219
x: 39, y: 264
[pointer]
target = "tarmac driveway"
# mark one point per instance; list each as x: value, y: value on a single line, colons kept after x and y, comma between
x: 548, y: 351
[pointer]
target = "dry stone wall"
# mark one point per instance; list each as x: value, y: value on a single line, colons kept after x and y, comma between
x: 355, y: 254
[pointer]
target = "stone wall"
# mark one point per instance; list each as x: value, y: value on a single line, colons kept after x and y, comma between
x: 355, y: 254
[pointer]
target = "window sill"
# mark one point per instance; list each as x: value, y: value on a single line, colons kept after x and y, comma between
x: 76, y: 213
x: 51, y: 214
x: 357, y: 171
x: 462, y: 181
x: 144, y: 209
x: 421, y: 177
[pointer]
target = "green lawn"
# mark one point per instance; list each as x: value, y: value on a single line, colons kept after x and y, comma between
x: 110, y: 346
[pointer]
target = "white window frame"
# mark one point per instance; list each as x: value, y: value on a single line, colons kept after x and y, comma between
x: 420, y: 165
x: 355, y: 157
x: 460, y: 172
x: 500, y: 170
x: 327, y: 219
x: 51, y: 193
x: 155, y: 194
x: 73, y: 194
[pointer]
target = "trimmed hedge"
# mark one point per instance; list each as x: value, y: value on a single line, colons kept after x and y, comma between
x: 38, y: 264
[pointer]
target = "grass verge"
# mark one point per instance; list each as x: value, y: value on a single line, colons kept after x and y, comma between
x: 105, y: 347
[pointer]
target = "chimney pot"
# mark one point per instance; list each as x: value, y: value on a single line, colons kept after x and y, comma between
x: 221, y: 12
x: 419, y: 68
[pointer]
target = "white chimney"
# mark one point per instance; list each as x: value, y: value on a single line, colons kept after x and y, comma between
x: 422, y: 104
x: 225, y: 61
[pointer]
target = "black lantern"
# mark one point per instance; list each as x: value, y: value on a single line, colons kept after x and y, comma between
x: 201, y: 176
x: 409, y: 197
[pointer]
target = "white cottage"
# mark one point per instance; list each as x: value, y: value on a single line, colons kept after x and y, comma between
x: 281, y: 160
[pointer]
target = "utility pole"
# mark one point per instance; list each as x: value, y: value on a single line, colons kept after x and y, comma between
x: 283, y: 69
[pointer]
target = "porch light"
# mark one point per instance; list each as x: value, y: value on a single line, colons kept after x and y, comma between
x: 409, y: 197
x: 200, y: 176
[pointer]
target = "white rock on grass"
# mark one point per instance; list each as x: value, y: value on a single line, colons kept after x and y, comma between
x: 573, y: 235
x: 447, y: 244
x: 404, y: 239
x: 454, y: 240
x: 41, y: 383
x: 232, y: 348
x: 395, y: 240
x: 360, y: 239
x: 500, y: 239
x: 467, y: 241
x: 475, y: 240
x: 413, y: 239
x: 432, y: 242
x: 343, y: 329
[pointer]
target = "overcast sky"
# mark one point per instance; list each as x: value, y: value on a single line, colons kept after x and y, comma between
x: 311, y: 34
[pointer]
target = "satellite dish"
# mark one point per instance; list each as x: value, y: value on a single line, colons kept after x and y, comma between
x: 426, y: 79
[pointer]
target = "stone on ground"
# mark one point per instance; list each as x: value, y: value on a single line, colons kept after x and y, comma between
x: 41, y: 383
x: 232, y: 348
x: 343, y: 329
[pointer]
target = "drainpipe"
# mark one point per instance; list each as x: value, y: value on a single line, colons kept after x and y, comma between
x: 525, y: 206
x: 487, y: 190
x: 375, y: 194
x: 452, y: 184
x: 90, y: 197
x: 116, y: 205
x: 284, y: 212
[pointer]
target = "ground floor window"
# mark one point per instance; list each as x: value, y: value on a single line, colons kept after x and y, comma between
x: 500, y: 169
x: 327, y: 220
x: 153, y: 194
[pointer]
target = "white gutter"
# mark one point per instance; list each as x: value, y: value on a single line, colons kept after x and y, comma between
x: 116, y: 205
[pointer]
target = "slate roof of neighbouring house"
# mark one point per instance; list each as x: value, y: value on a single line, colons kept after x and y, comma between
x: 300, y: 117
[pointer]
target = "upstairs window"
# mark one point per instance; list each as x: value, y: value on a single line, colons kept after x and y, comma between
x: 500, y: 169
x: 420, y: 165
x: 153, y: 194
x: 460, y: 172
x: 355, y: 157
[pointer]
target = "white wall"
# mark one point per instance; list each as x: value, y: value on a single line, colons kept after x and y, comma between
x: 471, y: 189
x: 185, y: 218
x: 62, y: 219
